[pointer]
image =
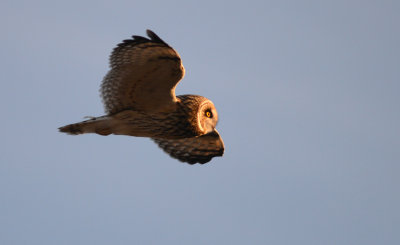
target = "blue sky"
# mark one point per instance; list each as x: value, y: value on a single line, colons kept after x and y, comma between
x: 308, y: 99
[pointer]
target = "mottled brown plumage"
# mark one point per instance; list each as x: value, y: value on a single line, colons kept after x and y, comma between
x: 138, y: 94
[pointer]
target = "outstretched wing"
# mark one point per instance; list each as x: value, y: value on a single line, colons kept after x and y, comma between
x: 199, y: 149
x: 144, y: 73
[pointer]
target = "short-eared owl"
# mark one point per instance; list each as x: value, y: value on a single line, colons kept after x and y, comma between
x: 139, y: 99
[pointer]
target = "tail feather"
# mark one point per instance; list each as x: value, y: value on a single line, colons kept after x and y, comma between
x: 98, y: 125
x: 73, y: 129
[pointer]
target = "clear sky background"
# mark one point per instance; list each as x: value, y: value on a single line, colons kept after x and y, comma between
x: 308, y: 98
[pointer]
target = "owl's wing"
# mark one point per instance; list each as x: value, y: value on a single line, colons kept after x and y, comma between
x: 144, y: 73
x: 200, y: 149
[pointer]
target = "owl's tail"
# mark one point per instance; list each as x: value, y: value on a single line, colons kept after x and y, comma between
x: 97, y: 125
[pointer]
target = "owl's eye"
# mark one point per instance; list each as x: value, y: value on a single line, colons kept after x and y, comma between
x: 208, y: 114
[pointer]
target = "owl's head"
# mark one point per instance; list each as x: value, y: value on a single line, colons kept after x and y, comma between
x: 201, y: 112
x: 207, y: 116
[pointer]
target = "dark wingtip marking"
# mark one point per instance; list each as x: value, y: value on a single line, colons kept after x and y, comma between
x: 154, y: 37
x: 139, y: 39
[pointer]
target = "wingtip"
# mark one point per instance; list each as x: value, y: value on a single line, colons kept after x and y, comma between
x: 151, y: 33
x: 154, y: 37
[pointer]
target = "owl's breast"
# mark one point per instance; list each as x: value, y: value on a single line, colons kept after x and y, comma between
x: 179, y: 124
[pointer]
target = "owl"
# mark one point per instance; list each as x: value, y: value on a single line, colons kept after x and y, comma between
x: 138, y: 94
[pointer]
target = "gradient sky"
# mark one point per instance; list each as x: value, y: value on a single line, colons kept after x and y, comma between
x: 308, y: 98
